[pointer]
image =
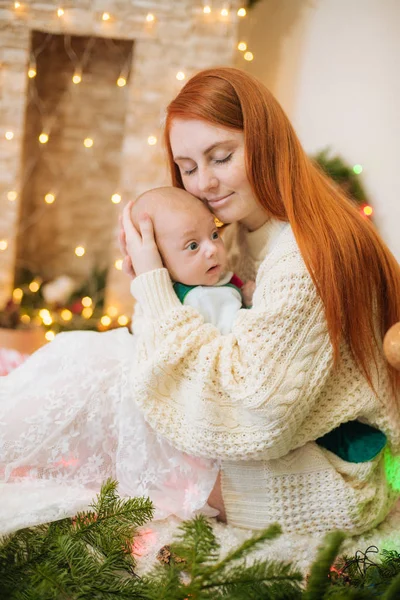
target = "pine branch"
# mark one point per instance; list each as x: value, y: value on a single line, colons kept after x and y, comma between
x: 318, y: 581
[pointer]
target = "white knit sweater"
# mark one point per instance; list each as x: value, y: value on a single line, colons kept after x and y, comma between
x: 259, y: 397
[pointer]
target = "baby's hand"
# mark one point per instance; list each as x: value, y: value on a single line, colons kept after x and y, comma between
x: 247, y: 293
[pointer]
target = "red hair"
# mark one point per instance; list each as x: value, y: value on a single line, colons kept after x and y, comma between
x: 355, y: 274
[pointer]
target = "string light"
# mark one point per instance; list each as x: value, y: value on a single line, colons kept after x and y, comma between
x: 17, y: 4
x: 121, y: 81
x: 80, y: 251
x: 115, y: 198
x: 180, y: 76
x: 242, y: 46
x: 60, y: 12
x: 152, y: 140
x: 12, y: 195
x: 77, y: 78
x: 34, y: 286
x: 112, y: 311
x: 150, y: 18
x: 224, y: 12
x: 66, y: 314
x: 123, y: 320
x: 88, y: 142
x: 248, y: 56
x: 87, y: 312
x: 17, y: 295
x: 43, y: 138
x: 105, y: 320
x: 49, y: 198
x: 31, y: 72
x: 46, y: 317
x: 9, y: 135
x: 241, y: 12
x: 106, y: 16
x: 357, y: 169
x: 3, y: 245
x: 207, y: 10
x: 50, y: 335
x: 25, y: 319
x: 87, y: 301
x: 367, y: 210
x: 118, y: 264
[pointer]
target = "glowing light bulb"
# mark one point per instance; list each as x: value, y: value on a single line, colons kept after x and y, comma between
x: 87, y: 301
x: 242, y: 46
x: 150, y: 18
x: 88, y: 142
x: 207, y: 10
x: 12, y: 195
x: 80, y: 251
x: 121, y: 81
x: 241, y: 12
x: 17, y: 295
x: 106, y: 16
x: 3, y: 245
x: 50, y: 335
x: 60, y: 12
x: 357, y: 169
x: 17, y: 4
x: 77, y: 78
x: 368, y: 210
x: 87, y: 312
x: 118, y: 264
x: 34, y: 286
x: 180, y: 76
x: 32, y: 73
x: 43, y: 138
x: 152, y: 140
x: 224, y: 12
x: 115, y: 198
x: 123, y: 320
x: 112, y: 311
x: 66, y: 314
x: 105, y: 320
x: 248, y: 56
x: 49, y: 198
x: 9, y: 135
x: 25, y: 319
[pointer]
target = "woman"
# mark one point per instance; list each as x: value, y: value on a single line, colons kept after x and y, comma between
x: 306, y: 361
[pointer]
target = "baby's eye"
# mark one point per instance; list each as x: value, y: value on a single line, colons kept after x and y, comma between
x: 193, y: 246
x: 215, y: 235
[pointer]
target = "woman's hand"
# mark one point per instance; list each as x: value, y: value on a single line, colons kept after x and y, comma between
x: 140, y: 250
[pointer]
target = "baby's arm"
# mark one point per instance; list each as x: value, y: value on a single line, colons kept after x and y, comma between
x: 247, y: 293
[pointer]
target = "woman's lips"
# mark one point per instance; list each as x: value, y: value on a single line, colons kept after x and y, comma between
x: 219, y: 201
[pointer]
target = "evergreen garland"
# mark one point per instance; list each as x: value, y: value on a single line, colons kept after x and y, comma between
x: 90, y: 557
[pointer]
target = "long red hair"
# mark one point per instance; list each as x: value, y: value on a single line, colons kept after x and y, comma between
x: 355, y: 274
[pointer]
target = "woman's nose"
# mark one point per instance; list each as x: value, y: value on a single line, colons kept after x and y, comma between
x: 207, y: 181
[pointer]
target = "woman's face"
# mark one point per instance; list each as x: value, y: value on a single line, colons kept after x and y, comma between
x: 212, y: 166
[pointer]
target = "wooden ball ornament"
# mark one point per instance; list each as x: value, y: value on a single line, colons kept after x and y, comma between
x: 391, y: 346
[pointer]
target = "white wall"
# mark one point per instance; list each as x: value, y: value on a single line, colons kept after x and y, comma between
x: 335, y: 68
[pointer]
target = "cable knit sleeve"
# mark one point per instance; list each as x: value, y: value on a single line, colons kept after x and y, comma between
x: 242, y: 395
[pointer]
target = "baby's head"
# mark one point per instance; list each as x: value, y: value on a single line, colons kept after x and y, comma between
x: 187, y: 237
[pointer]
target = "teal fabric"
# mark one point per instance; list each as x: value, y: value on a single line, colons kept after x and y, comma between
x: 182, y: 290
x: 354, y: 441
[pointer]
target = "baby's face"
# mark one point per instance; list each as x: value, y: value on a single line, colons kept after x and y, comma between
x: 190, y: 244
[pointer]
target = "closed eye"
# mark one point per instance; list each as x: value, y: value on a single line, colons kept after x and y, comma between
x: 224, y: 160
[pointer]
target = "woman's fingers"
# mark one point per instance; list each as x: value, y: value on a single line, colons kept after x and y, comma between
x: 147, y: 230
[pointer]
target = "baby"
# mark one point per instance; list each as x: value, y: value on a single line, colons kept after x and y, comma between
x: 192, y: 250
